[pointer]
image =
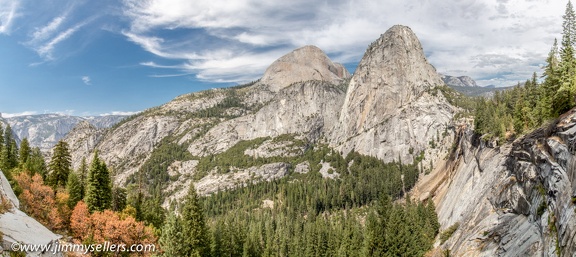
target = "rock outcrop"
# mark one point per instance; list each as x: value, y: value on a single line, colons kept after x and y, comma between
x: 391, y: 106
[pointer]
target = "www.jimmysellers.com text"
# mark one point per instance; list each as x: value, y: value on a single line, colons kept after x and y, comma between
x: 83, y: 248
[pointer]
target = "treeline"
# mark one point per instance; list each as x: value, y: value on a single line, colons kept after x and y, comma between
x: 305, y: 214
x: 362, y: 179
x: 514, y: 111
x: 382, y: 229
x: 526, y: 107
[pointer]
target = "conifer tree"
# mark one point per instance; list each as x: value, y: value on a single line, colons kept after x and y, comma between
x: 82, y: 176
x: 9, y: 153
x: 74, y: 189
x: 564, y: 97
x: 25, y: 151
x: 194, y: 229
x: 569, y: 25
x: 59, y: 165
x: 118, y: 198
x: 171, y: 239
x: 36, y: 164
x: 99, y: 188
x: 1, y: 137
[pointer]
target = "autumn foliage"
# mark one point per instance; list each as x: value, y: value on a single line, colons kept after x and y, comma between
x: 40, y: 202
x: 108, y: 226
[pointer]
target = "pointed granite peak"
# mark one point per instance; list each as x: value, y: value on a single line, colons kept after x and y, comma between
x: 387, y: 111
x: 303, y: 64
x: 394, y: 70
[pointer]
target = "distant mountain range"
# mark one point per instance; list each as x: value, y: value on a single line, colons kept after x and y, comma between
x: 44, y: 130
x: 466, y: 85
x: 462, y: 81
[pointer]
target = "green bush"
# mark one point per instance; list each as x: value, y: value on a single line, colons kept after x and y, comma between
x: 446, y: 234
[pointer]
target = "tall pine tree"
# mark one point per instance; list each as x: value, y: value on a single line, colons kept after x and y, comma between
x: 171, y: 239
x: 195, y: 232
x: 99, y: 187
x: 25, y: 151
x: 9, y: 153
x: 36, y: 164
x: 59, y: 165
x: 74, y: 189
x: 550, y: 84
x: 82, y: 176
x: 1, y: 138
x: 564, y: 97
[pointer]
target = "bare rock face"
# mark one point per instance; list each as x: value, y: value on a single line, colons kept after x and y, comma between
x: 391, y: 106
x: 82, y: 140
x: 512, y: 200
x: 303, y: 64
x: 308, y: 109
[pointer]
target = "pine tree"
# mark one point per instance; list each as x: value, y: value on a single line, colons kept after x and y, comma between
x: 82, y: 176
x: 118, y: 198
x: 59, y: 165
x: 551, y: 82
x: 564, y: 97
x: 194, y: 229
x: 36, y: 164
x: 9, y: 153
x: 74, y: 189
x: 569, y: 25
x: 171, y: 239
x: 25, y: 151
x: 1, y: 137
x: 99, y: 188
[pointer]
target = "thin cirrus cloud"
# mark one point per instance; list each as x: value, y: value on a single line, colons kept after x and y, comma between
x: 8, y: 12
x: 459, y: 37
x: 44, y: 40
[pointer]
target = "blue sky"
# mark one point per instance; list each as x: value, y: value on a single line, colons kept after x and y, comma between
x: 106, y: 57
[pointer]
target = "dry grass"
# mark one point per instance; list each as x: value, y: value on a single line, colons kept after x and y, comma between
x: 5, y: 204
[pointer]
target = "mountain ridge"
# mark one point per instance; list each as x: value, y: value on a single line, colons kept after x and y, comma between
x: 45, y: 130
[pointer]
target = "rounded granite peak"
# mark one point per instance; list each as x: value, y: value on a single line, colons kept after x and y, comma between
x: 302, y: 64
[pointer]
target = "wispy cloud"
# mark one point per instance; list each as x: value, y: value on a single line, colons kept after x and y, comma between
x: 455, y: 34
x: 86, y: 80
x: 11, y: 115
x: 65, y: 112
x: 8, y: 12
x: 46, y: 49
x: 57, y: 25
x: 123, y: 113
x: 47, y: 31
